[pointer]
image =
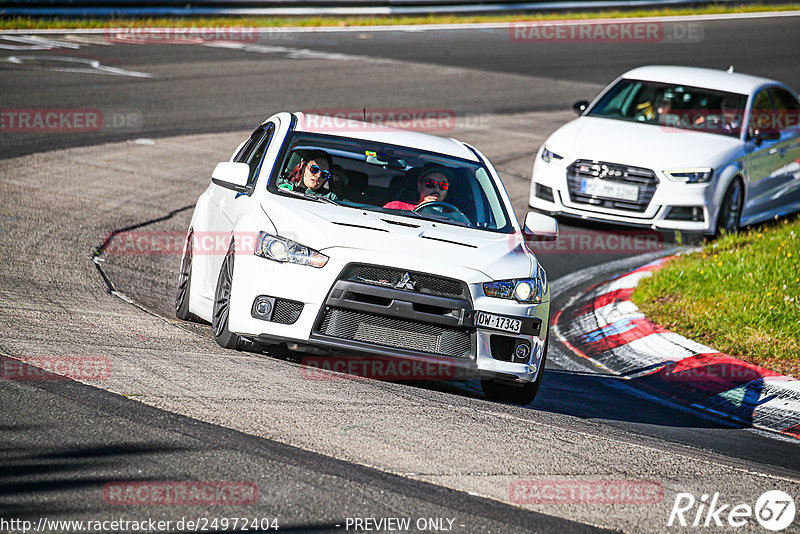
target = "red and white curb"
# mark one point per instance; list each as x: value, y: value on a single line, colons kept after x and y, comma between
x: 606, y: 327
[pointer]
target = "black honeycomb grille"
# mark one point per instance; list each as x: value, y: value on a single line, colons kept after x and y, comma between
x: 286, y: 311
x: 397, y: 333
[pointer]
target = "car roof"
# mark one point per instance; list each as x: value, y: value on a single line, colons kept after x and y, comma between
x: 720, y: 80
x: 383, y: 134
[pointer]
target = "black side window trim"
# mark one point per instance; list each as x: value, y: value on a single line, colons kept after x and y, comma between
x: 244, y: 154
x: 263, y: 143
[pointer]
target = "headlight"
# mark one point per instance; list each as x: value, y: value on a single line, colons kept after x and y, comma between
x: 525, y: 290
x: 285, y: 250
x: 550, y: 156
x: 691, y: 176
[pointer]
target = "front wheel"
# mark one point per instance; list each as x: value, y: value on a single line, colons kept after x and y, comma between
x: 222, y: 305
x: 522, y: 395
x: 730, y: 211
x: 185, y: 283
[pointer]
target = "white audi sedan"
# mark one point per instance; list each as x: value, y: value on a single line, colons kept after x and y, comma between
x: 679, y: 148
x: 361, y: 239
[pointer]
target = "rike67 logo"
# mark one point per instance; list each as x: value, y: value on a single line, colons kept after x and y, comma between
x: 774, y: 510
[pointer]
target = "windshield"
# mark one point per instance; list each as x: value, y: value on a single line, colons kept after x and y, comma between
x: 389, y: 179
x: 673, y: 106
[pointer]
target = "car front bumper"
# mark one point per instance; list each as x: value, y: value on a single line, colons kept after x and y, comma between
x: 355, y: 318
x: 694, y: 202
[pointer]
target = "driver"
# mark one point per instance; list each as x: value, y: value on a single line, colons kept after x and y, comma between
x: 310, y: 175
x: 432, y: 186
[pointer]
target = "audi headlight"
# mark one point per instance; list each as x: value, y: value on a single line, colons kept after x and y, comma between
x: 548, y: 156
x: 285, y: 250
x: 691, y: 176
x: 524, y: 290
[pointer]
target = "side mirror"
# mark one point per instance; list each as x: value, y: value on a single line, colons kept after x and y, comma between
x: 580, y: 106
x: 232, y: 175
x: 759, y: 136
x: 540, y: 227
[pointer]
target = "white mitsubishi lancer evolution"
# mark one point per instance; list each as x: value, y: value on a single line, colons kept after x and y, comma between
x: 373, y: 241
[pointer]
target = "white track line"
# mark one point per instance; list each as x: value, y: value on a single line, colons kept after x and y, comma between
x: 431, y: 27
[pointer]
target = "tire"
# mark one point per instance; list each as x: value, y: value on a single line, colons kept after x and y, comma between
x: 222, y: 302
x: 522, y: 395
x: 185, y: 284
x: 730, y: 211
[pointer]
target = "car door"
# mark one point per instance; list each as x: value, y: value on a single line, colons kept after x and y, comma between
x: 764, y: 158
x: 230, y: 205
x: 784, y: 193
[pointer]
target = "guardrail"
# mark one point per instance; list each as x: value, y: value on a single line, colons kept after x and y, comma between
x: 110, y: 8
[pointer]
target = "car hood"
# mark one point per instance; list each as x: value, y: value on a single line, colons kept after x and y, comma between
x: 406, y: 242
x: 642, y: 145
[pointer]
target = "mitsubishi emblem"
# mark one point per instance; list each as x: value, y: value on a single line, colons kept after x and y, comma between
x: 406, y: 283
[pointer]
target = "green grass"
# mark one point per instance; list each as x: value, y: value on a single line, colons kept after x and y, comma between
x: 13, y: 23
x: 740, y: 295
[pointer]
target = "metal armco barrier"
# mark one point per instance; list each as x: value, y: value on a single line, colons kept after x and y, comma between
x: 107, y: 8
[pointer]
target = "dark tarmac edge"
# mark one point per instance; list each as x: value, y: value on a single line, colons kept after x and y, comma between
x: 111, y: 406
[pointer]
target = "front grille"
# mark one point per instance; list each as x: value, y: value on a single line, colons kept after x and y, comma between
x: 397, y: 333
x: 582, y: 169
x: 390, y: 277
x: 286, y: 311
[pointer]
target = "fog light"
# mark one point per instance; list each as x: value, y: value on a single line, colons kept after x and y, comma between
x: 686, y: 213
x: 522, y: 352
x: 544, y: 192
x: 263, y: 307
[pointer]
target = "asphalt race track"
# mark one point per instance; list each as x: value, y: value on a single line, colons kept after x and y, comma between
x: 176, y: 407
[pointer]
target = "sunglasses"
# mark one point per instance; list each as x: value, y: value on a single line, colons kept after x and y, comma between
x: 315, y: 170
x: 430, y: 184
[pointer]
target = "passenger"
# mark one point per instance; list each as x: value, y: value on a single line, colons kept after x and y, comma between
x: 432, y: 186
x: 310, y: 175
x: 731, y: 112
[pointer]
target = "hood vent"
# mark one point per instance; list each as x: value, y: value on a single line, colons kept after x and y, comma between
x: 448, y: 241
x: 351, y: 225
x: 401, y: 223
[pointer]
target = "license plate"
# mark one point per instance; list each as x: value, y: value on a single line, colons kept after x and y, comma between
x: 498, y: 322
x: 602, y: 188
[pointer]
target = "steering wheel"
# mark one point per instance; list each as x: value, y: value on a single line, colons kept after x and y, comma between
x: 440, y: 208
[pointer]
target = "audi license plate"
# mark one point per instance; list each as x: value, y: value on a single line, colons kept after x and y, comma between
x: 498, y: 322
x: 602, y: 188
